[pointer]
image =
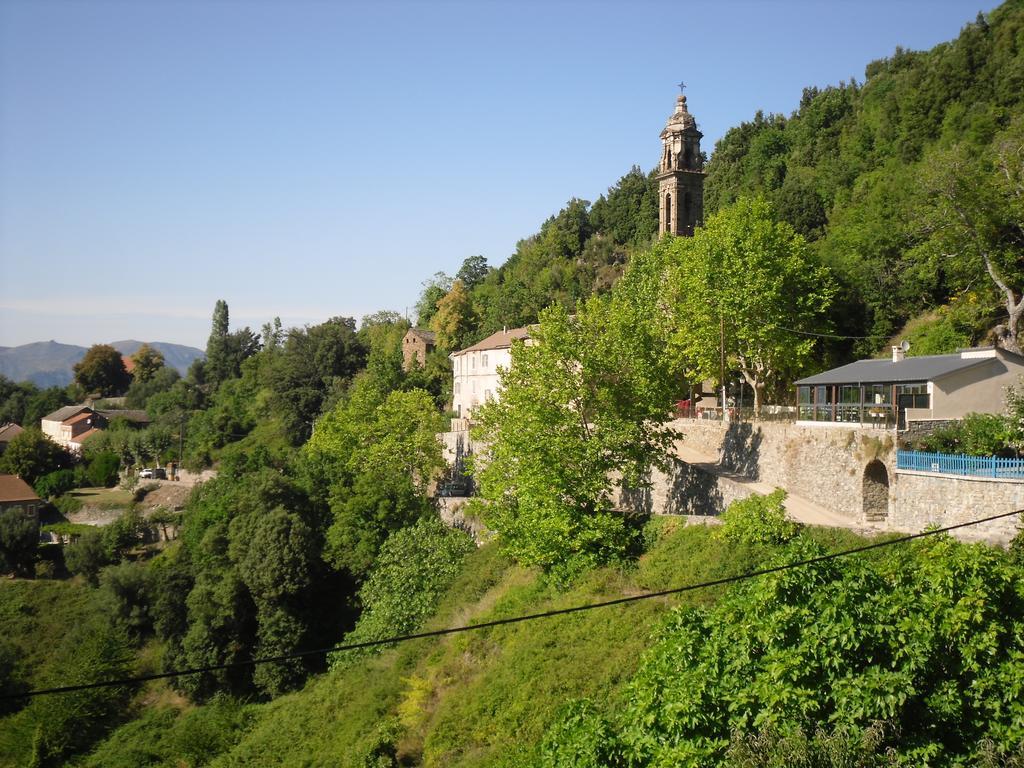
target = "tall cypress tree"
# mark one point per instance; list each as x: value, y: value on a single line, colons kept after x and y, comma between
x: 218, y: 366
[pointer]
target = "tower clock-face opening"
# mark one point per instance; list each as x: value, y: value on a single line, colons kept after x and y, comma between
x: 681, y: 174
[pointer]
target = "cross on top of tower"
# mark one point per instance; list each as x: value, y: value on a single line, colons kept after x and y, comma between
x: 681, y: 85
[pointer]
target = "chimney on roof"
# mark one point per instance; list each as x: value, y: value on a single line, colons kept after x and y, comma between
x: 898, y: 353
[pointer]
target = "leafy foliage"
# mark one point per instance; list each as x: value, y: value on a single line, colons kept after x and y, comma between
x: 747, y: 281
x: 92, y: 652
x: 917, y: 640
x: 146, y: 362
x: 758, y: 520
x: 54, y: 484
x: 415, y: 567
x: 19, y: 539
x: 102, y: 370
x: 31, y: 454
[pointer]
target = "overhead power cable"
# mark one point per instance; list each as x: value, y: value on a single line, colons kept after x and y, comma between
x: 832, y: 335
x: 510, y: 620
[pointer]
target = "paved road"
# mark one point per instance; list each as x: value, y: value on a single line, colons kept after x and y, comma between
x: 799, y: 508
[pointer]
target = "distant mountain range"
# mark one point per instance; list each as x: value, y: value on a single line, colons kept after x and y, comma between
x: 49, y: 363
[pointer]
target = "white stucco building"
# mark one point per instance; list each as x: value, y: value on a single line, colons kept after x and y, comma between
x: 475, y: 370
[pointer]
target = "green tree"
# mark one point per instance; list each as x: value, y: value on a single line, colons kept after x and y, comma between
x: 146, y: 362
x: 410, y: 575
x: 217, y: 367
x: 377, y: 457
x: 102, y: 370
x: 748, y: 278
x: 977, y: 213
x: 454, y: 319
x: 583, y: 410
x: 127, y: 595
x: 31, y: 454
x: 434, y: 290
x: 162, y: 380
x: 19, y: 539
x: 473, y: 271
x: 276, y: 555
x: 87, y: 555
x: 103, y: 468
x: 54, y: 484
x: 313, y: 364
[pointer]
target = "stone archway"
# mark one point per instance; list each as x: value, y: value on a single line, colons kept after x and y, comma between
x: 876, y: 492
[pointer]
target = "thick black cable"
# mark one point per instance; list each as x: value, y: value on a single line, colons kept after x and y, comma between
x: 511, y: 620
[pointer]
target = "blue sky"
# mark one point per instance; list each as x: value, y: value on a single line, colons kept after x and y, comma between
x: 311, y: 159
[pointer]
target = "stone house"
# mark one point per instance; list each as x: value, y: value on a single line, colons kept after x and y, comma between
x: 416, y: 345
x: 929, y: 390
x: 15, y: 493
x: 475, y: 369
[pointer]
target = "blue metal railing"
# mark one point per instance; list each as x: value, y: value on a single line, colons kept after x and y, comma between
x: 961, y: 464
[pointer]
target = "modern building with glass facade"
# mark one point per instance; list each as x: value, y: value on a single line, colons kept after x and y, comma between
x: 891, y: 392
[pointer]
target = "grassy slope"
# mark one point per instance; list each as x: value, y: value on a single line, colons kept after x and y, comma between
x: 478, y: 699
x: 35, y: 615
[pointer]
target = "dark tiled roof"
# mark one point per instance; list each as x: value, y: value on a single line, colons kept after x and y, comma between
x: 13, y: 488
x: 65, y: 413
x: 428, y: 336
x: 499, y: 340
x: 9, y: 431
x: 924, y: 368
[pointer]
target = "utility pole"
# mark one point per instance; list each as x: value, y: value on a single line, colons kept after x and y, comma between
x: 181, y: 444
x: 721, y: 373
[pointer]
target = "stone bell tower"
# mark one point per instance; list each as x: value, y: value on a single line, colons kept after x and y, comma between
x: 680, y: 174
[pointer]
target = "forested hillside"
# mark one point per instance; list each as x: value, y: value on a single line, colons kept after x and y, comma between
x: 871, y: 172
x: 863, y: 170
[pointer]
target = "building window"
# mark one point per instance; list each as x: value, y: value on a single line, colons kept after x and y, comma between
x: 474, y: 387
x: 668, y: 212
x: 472, y: 363
x: 485, y: 361
x: 487, y: 395
x: 456, y: 387
x: 913, y: 396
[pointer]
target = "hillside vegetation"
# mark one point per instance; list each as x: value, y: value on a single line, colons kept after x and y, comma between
x: 320, y: 527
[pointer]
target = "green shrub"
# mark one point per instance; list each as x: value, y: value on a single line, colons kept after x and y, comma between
x: 414, y: 568
x: 69, y: 723
x: 758, y: 519
x: 103, y: 468
x: 126, y: 591
x: 978, y: 434
x: 67, y: 504
x: 86, y: 556
x: 843, y: 645
x: 55, y: 484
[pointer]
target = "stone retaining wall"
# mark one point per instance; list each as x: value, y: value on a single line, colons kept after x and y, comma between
x: 830, y: 466
x: 924, y: 499
x: 684, y: 489
x: 822, y: 464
